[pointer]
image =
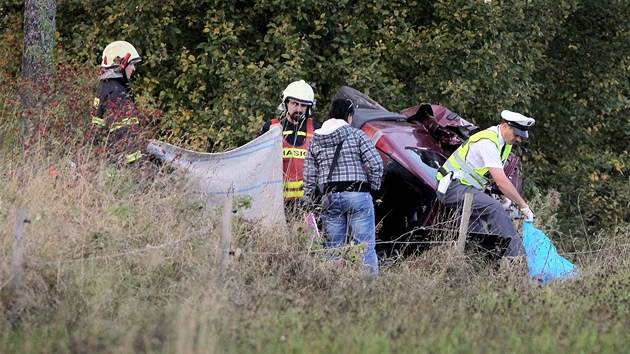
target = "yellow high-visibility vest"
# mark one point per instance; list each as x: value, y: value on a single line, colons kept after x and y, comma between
x: 476, y: 177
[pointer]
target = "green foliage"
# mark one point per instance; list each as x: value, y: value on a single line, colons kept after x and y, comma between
x: 217, y: 70
x: 580, y: 147
x: 481, y: 57
x: 242, y: 202
x: 8, y: 118
x: 11, y: 36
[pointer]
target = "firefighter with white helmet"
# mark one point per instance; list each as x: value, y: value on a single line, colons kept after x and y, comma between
x: 296, y: 120
x: 115, y: 115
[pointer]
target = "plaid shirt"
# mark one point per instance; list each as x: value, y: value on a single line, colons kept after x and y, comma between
x: 358, y: 159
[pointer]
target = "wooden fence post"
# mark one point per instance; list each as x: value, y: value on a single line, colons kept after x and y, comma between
x: 227, y: 229
x: 18, y: 244
x: 465, y: 220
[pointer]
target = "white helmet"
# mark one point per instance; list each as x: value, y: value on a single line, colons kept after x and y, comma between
x: 118, y: 55
x: 299, y: 91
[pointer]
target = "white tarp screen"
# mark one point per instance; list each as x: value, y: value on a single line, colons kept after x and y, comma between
x: 252, y: 170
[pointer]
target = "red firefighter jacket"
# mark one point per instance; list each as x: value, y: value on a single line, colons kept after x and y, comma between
x: 293, y: 160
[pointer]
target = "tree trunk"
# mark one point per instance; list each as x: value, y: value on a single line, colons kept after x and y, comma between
x: 37, y: 58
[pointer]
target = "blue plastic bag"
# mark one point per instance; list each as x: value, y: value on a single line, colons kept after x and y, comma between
x: 543, y: 260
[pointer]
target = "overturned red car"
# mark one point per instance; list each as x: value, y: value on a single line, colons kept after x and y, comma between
x: 413, y: 145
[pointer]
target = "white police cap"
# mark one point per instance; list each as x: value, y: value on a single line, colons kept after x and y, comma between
x: 518, y: 122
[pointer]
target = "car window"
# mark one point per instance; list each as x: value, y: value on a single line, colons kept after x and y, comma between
x: 430, y: 161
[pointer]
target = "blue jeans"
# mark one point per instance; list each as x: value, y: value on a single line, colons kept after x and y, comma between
x: 351, y: 214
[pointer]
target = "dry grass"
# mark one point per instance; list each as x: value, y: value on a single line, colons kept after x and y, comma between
x: 117, y: 262
x: 91, y: 284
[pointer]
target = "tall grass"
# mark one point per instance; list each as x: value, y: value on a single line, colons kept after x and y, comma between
x: 121, y: 260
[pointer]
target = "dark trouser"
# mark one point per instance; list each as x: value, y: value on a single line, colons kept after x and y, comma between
x: 485, y: 210
x: 126, y: 145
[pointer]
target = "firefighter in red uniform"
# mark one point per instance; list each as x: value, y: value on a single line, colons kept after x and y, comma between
x: 296, y: 120
x: 115, y: 118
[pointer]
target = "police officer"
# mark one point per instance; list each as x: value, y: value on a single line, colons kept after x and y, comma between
x: 476, y: 164
x: 115, y: 117
x: 296, y: 120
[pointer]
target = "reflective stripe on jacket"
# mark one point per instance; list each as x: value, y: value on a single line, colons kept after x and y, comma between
x: 123, y: 123
x: 116, y: 115
x: 293, y: 161
x: 136, y: 155
x: 476, y: 177
x: 114, y: 106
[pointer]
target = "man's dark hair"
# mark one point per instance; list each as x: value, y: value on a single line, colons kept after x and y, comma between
x: 341, y: 108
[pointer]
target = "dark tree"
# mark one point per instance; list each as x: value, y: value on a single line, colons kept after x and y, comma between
x: 37, y: 57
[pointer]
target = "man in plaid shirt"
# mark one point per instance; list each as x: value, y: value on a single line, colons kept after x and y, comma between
x: 347, y: 202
